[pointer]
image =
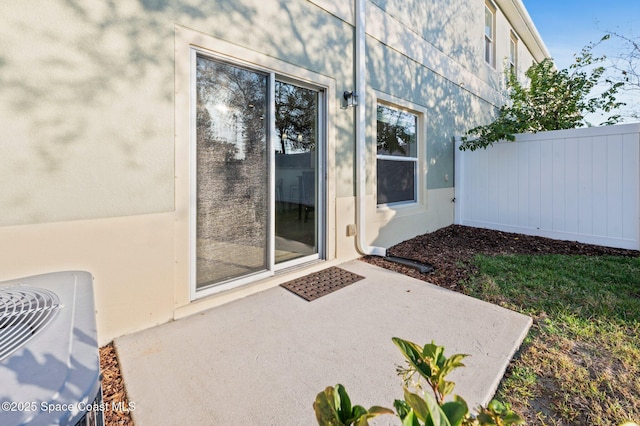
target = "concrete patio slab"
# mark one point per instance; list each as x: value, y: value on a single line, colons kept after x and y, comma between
x: 262, y: 359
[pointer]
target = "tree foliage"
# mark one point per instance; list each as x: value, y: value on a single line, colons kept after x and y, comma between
x: 295, y: 117
x: 425, y: 388
x: 552, y: 99
x: 626, y: 64
x: 395, y: 134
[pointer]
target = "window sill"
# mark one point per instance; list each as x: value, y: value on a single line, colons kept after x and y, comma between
x: 396, y: 210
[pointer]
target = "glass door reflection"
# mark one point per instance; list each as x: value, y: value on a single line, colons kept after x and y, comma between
x: 232, y: 219
x: 296, y: 172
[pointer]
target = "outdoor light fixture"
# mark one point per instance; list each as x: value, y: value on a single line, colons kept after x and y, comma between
x: 350, y: 99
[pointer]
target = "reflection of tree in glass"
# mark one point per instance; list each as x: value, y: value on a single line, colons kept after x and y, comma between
x: 232, y: 168
x: 396, y: 131
x: 295, y: 117
x: 205, y: 135
x: 247, y: 92
x: 236, y: 99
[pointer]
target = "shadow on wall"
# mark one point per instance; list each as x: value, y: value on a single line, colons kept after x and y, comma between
x: 92, y: 86
x: 452, y: 30
x: 103, y: 46
x: 88, y: 92
x: 324, y: 44
x: 74, y: 62
x: 451, y: 108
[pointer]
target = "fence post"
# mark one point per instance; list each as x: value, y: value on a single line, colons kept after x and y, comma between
x: 458, y: 181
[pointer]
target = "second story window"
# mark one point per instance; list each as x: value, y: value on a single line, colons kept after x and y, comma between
x: 489, y: 33
x: 513, y: 54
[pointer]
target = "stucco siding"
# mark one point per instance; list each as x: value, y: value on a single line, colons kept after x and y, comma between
x: 87, y: 112
x: 131, y: 260
x: 88, y: 95
x: 452, y: 27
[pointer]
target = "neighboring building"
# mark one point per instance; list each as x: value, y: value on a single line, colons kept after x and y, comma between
x: 188, y: 153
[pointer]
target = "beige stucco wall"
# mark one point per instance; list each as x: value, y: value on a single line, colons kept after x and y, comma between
x: 86, y: 111
x: 95, y: 150
x: 88, y: 91
x: 386, y: 227
x: 390, y: 226
x: 131, y: 259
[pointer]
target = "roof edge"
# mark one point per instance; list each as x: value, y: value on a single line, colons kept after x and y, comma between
x: 519, y: 18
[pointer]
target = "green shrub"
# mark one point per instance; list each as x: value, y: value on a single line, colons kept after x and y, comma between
x: 425, y: 390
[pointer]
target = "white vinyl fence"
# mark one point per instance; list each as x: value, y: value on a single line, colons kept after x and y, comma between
x: 579, y: 185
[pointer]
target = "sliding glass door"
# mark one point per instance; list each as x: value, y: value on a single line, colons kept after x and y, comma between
x: 257, y: 180
x: 296, y: 174
x: 232, y: 222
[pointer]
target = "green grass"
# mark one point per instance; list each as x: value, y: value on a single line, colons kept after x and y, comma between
x: 580, y: 363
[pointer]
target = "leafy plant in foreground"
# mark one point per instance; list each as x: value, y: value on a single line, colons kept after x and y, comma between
x: 427, y: 368
x: 333, y: 407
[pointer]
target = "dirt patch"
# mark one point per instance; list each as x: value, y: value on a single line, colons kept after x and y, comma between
x: 451, y: 250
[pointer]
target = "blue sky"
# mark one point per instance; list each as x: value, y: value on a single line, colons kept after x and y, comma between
x: 566, y: 26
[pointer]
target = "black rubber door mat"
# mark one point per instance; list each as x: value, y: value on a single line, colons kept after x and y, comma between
x: 321, y: 283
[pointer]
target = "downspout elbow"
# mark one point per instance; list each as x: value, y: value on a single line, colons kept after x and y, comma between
x: 367, y: 250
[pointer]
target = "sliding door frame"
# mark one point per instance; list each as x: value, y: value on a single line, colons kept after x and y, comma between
x: 321, y: 176
x: 320, y: 182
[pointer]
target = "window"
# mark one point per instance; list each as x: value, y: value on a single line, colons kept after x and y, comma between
x: 489, y: 33
x: 397, y: 155
x: 513, y: 54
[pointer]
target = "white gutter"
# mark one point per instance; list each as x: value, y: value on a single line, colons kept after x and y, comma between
x: 519, y: 18
x: 361, y: 125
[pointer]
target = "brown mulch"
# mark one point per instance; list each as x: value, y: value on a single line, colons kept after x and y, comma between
x: 113, y: 392
x: 451, y: 250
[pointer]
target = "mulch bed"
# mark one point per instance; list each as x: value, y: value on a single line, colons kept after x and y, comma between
x: 451, y: 250
x: 113, y: 390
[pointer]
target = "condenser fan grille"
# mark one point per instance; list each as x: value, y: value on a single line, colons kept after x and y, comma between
x: 24, y: 311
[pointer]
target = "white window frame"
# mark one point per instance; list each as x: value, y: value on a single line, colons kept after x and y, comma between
x: 490, y: 40
x: 321, y: 162
x: 419, y: 159
x: 272, y: 267
x: 513, y: 53
x: 188, y: 44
